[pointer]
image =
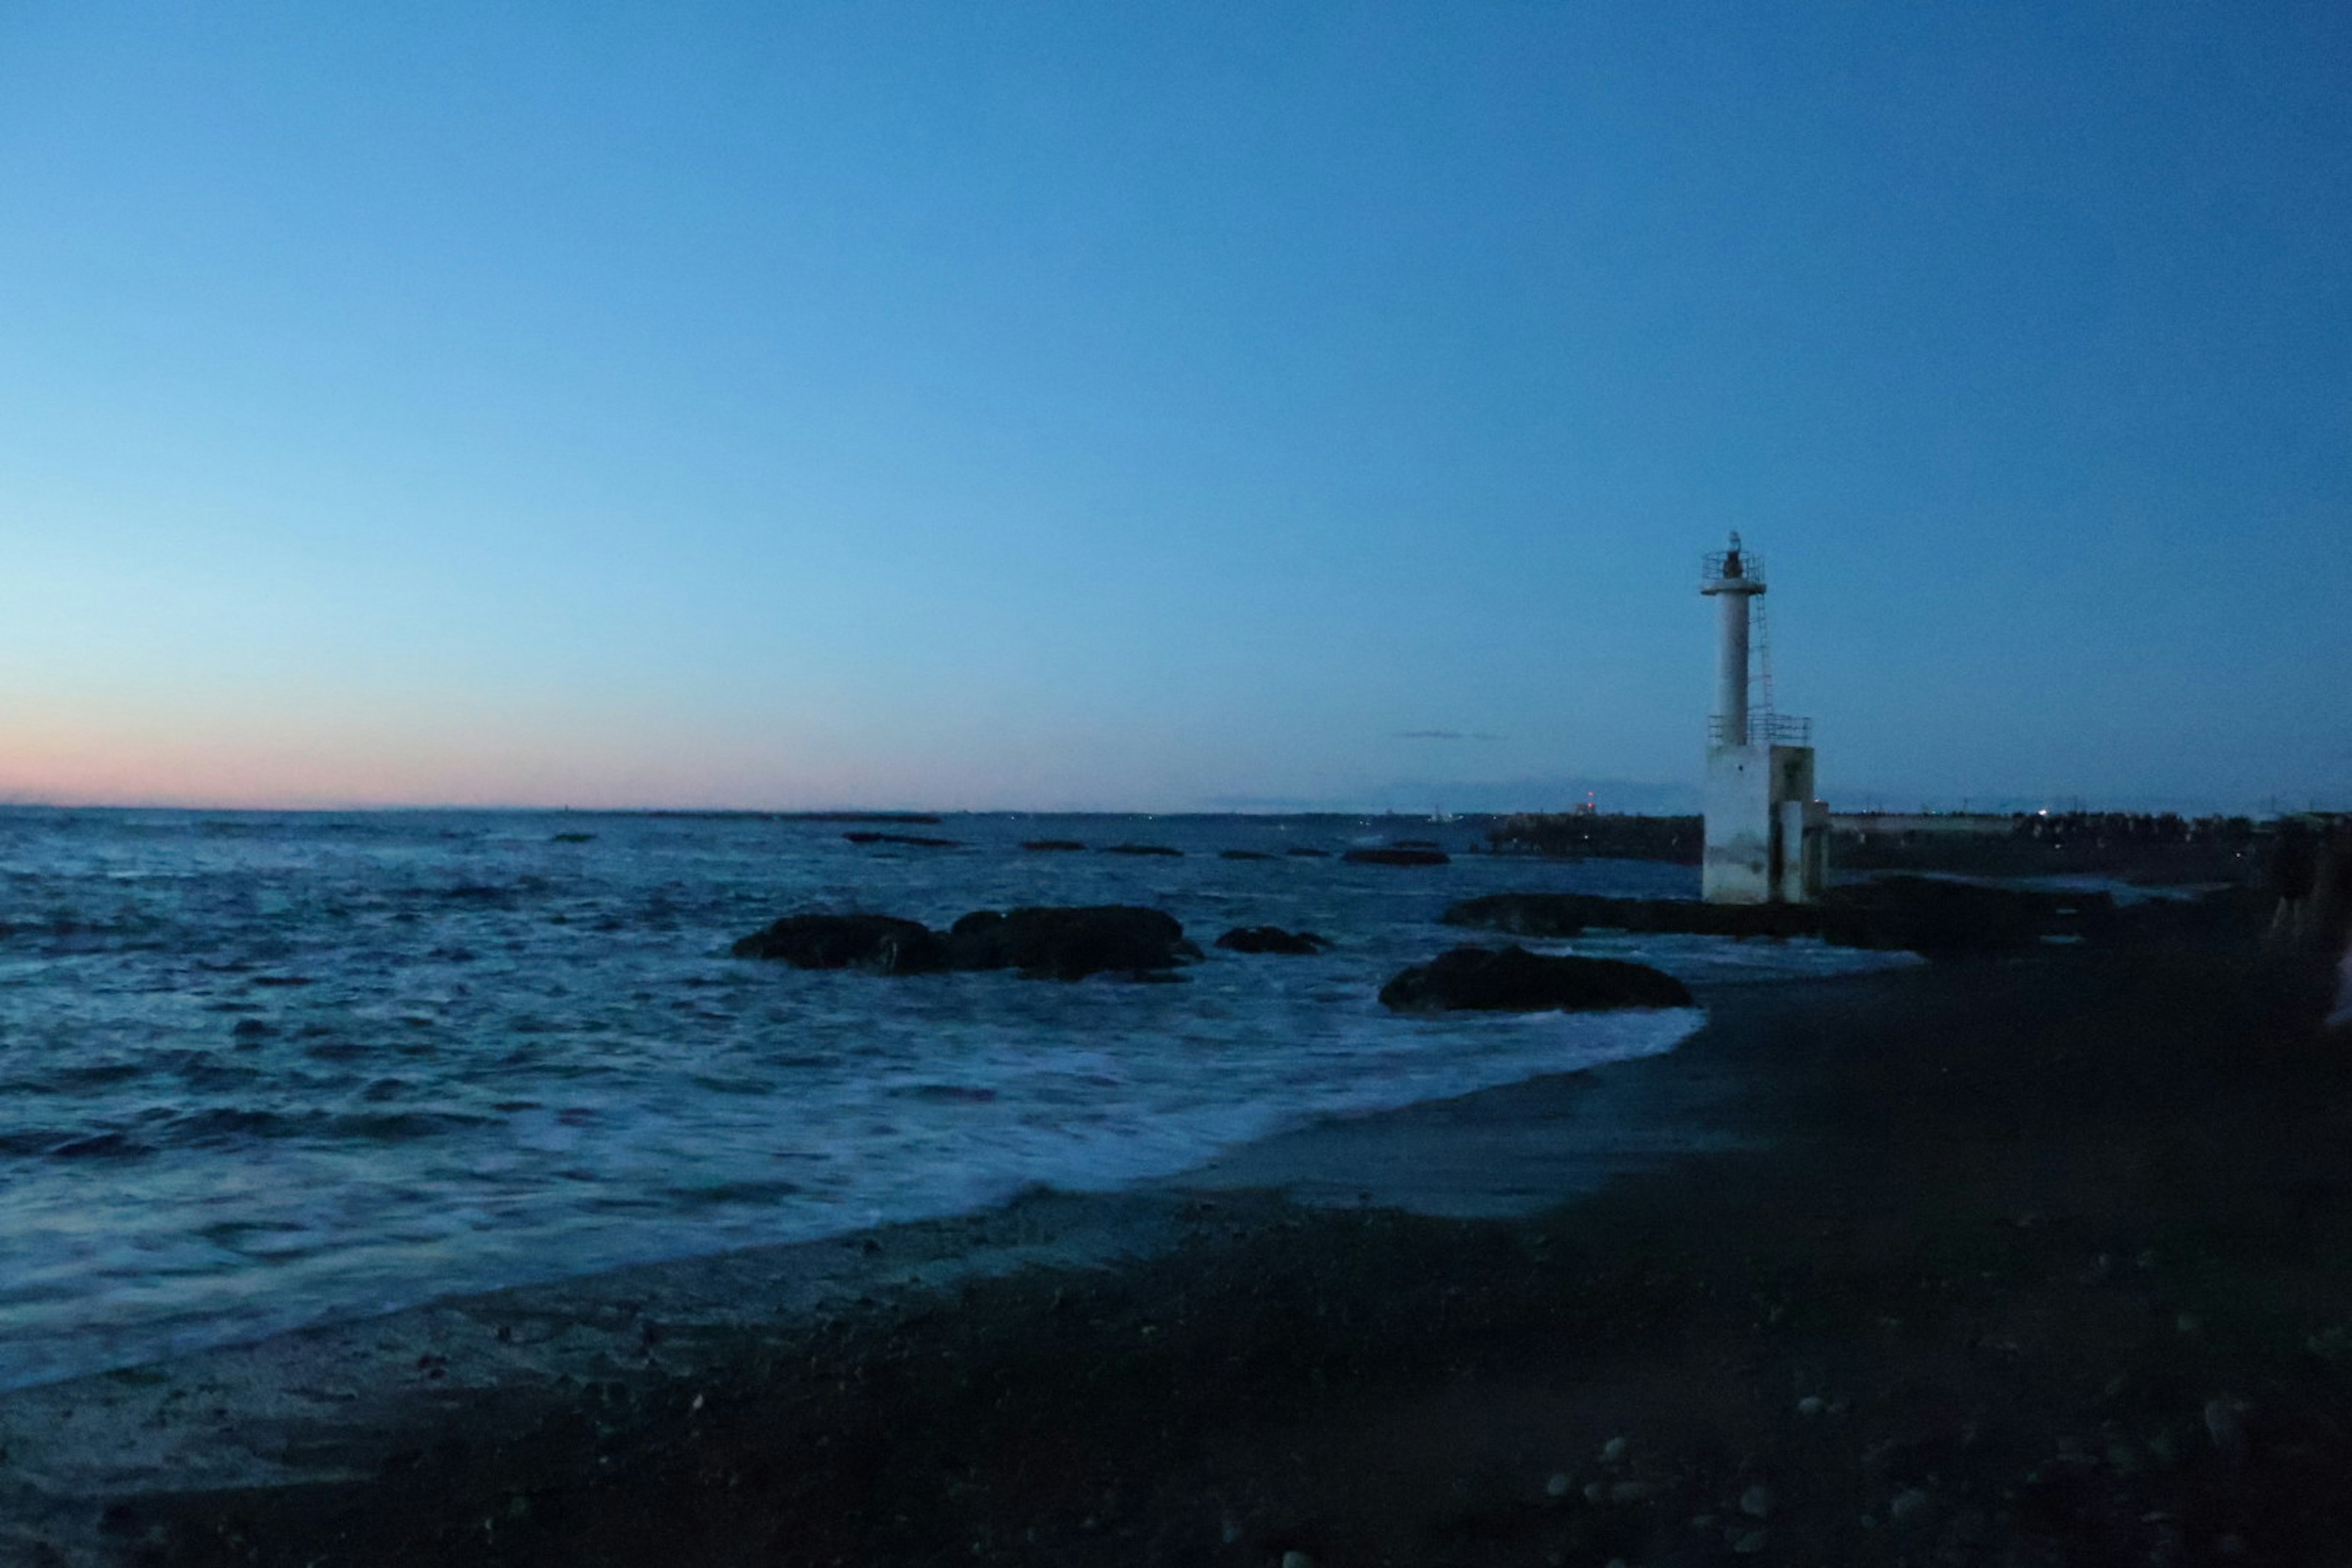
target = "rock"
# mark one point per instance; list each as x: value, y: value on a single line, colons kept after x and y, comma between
x: 1908, y: 1504
x: 1296, y: 1559
x: 1515, y: 980
x: 1272, y: 939
x: 1069, y: 943
x: 1810, y: 1404
x: 1243, y: 855
x: 1925, y: 914
x: 1612, y: 1451
x: 1397, y: 856
x: 1140, y: 849
x: 1299, y: 854
x: 2225, y: 1422
x: 1756, y: 1502
x: 1570, y: 914
x: 881, y: 943
x: 1063, y: 943
x: 867, y: 836
x: 1558, y: 1486
x: 1630, y: 1492
x: 1749, y: 1542
x: 570, y: 837
x: 1051, y: 843
x: 1934, y: 916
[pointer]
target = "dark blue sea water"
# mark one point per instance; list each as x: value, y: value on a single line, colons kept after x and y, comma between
x: 257, y: 1071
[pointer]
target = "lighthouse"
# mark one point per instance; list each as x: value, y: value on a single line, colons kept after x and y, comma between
x: 1767, y: 836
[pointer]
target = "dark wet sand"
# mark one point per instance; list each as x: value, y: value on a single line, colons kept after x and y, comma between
x: 2041, y: 1259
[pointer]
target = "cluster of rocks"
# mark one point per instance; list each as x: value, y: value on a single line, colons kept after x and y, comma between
x: 1412, y: 854
x: 1922, y: 914
x: 1070, y: 943
x: 1067, y: 943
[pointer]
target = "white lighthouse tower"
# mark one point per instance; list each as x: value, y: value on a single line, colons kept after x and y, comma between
x: 1767, y: 836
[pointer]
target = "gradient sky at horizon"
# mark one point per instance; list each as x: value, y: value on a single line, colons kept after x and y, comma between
x: 1070, y: 406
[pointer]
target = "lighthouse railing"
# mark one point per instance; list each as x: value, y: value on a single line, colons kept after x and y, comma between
x: 1712, y: 573
x: 1763, y: 730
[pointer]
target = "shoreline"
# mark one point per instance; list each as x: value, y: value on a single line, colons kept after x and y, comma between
x: 1120, y: 1378
x: 328, y: 1404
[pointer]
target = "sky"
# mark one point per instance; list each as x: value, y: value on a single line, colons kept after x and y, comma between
x: 1083, y: 407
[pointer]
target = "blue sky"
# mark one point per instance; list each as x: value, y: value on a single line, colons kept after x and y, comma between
x: 1097, y: 405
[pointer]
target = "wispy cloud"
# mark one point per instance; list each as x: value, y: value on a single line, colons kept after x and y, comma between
x: 1446, y: 735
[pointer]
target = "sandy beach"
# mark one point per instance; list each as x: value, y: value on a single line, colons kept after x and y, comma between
x: 2038, y: 1258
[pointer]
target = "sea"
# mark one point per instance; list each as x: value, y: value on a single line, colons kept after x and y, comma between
x: 260, y: 1070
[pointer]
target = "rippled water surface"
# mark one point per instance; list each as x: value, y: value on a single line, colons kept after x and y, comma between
x: 257, y: 1070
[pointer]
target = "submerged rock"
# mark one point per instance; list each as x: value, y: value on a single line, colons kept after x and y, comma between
x: 1398, y: 854
x: 1048, y: 845
x: 880, y: 942
x: 867, y: 836
x: 1140, y: 849
x: 1301, y: 853
x: 1069, y: 943
x: 1272, y: 939
x: 1243, y: 855
x: 1515, y: 980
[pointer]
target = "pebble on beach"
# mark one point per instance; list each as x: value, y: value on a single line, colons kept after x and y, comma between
x: 1757, y: 1502
x: 2225, y: 1422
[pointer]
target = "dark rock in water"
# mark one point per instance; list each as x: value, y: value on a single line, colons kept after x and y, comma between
x: 570, y: 837
x: 1049, y: 844
x: 1481, y: 979
x: 1567, y: 914
x: 1243, y: 855
x: 880, y: 942
x: 1398, y: 855
x: 1069, y: 943
x: 1062, y: 943
x: 866, y: 835
x: 1272, y: 939
x: 1414, y: 843
x: 1140, y: 849
x: 1526, y: 914
x: 1935, y: 916
x: 1303, y: 854
x: 1922, y: 914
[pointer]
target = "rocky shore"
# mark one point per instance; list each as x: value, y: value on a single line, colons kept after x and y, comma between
x: 2043, y: 1257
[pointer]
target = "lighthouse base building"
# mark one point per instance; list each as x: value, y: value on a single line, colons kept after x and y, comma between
x: 1767, y: 837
